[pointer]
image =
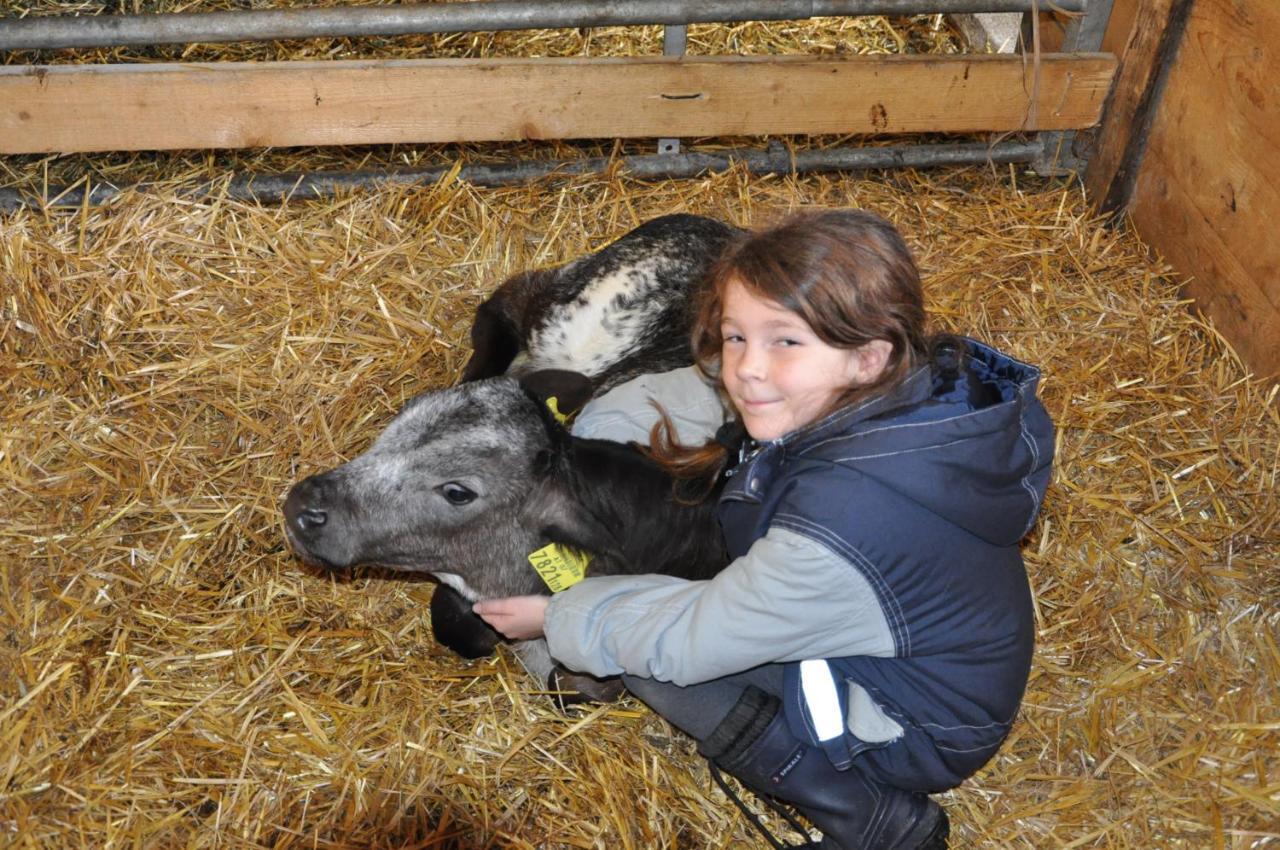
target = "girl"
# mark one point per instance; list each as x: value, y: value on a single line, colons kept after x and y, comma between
x: 870, y: 643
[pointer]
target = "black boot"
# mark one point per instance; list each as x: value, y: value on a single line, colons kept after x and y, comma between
x: 754, y: 744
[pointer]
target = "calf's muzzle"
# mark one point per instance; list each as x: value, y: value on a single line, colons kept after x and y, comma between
x: 307, y: 514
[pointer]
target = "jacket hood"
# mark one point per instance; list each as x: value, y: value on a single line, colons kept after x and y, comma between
x: 971, y: 444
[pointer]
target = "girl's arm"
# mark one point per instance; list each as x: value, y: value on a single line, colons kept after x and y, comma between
x: 789, y: 598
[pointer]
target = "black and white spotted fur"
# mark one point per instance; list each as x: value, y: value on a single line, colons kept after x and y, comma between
x: 613, y: 315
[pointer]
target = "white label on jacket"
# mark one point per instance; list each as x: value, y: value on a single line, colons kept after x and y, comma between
x: 820, y: 696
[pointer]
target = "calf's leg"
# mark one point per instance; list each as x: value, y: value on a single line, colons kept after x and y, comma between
x: 570, y: 688
x: 456, y: 626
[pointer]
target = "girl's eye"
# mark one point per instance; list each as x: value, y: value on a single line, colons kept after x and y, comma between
x: 456, y: 494
x: 787, y: 342
x: 728, y: 337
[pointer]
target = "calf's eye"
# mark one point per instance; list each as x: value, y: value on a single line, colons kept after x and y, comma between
x: 456, y: 493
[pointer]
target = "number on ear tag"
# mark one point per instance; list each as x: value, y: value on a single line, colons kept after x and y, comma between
x: 560, y: 566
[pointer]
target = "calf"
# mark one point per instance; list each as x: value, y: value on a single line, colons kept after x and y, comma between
x: 623, y: 311
x: 464, y: 482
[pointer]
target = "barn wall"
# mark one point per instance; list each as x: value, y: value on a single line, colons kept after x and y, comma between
x: 1204, y: 196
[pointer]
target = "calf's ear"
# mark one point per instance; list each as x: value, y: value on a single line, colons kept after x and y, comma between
x: 562, y: 392
x: 557, y: 516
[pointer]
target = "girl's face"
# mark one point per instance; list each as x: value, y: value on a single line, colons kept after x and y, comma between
x: 779, y: 375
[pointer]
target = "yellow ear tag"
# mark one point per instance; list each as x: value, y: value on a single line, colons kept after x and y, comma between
x: 553, y: 406
x: 560, y: 566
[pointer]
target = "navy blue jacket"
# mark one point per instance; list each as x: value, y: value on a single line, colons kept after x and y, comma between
x: 926, y: 493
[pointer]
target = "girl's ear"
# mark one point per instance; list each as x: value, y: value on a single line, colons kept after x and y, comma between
x: 870, y: 359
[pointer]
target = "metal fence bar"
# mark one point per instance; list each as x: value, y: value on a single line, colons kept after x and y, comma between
x: 491, y: 15
x: 61, y: 31
x: 675, y: 39
x: 775, y: 159
x: 1084, y: 33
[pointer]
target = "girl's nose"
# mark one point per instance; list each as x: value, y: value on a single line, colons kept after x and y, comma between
x: 752, y: 363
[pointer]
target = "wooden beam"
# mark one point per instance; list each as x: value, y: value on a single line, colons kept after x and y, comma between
x: 1118, y: 143
x: 64, y: 108
x: 1053, y: 27
x: 1124, y: 13
x: 1206, y: 197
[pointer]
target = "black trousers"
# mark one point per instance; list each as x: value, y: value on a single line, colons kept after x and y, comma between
x: 698, y: 709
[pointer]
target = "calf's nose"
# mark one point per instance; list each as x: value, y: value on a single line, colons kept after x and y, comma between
x: 303, y: 509
x: 310, y: 518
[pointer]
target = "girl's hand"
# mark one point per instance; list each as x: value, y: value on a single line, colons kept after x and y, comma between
x: 517, y: 617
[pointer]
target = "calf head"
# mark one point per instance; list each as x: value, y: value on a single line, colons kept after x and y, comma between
x: 461, y: 485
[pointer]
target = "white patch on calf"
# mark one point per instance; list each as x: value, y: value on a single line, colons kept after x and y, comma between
x: 592, y: 332
x: 459, y: 584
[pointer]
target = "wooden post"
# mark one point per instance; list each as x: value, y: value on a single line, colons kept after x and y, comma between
x: 1120, y: 141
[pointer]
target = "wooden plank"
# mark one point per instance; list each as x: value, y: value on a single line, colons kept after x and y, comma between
x: 1124, y: 14
x: 234, y: 105
x: 1205, y: 197
x: 1053, y: 31
x: 1053, y: 27
x: 1117, y: 145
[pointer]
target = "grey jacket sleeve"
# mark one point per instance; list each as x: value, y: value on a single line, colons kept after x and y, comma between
x: 627, y: 413
x: 789, y: 598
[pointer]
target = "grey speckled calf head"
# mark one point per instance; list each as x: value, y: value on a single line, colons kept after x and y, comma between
x: 453, y: 487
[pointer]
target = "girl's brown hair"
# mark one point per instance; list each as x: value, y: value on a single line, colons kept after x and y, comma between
x: 847, y: 273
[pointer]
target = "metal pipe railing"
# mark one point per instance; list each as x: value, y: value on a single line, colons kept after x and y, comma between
x: 776, y: 159
x: 62, y: 31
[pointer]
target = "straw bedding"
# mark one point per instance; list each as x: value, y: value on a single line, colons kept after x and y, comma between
x: 171, y: 677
